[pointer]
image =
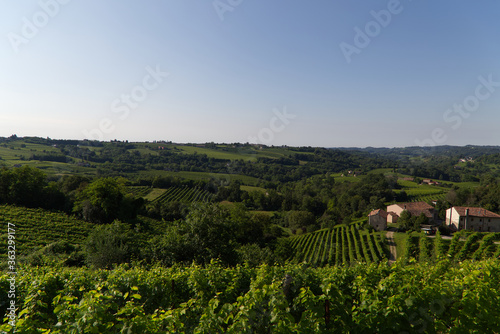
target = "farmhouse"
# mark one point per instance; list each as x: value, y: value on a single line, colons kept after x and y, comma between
x: 392, y: 217
x: 430, y: 182
x: 470, y: 218
x: 378, y: 219
x: 414, y: 208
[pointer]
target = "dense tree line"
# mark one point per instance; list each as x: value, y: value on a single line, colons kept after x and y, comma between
x: 100, y: 201
x: 50, y: 157
x: 486, y: 196
x: 209, y: 231
x: 26, y: 186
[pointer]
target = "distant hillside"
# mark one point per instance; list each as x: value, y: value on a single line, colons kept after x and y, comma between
x: 248, y: 163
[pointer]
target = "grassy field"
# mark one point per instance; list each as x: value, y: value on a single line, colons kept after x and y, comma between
x: 400, y: 240
x: 422, y: 192
x: 465, y: 184
x: 385, y: 171
x: 226, y: 152
x: 246, y: 155
x: 339, y: 178
x: 426, y: 195
x: 18, y: 153
x: 154, y: 194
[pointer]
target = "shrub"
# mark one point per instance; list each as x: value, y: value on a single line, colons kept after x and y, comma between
x: 109, y: 244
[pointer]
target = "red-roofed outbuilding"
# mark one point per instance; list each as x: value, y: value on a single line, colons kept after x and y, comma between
x: 378, y: 219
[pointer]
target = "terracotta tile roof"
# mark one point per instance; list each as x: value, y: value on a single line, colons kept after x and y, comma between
x: 378, y: 212
x: 475, y: 212
x: 426, y: 212
x: 415, y: 206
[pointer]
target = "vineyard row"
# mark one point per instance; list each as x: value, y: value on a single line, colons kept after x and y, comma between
x: 339, y: 246
x: 184, y: 194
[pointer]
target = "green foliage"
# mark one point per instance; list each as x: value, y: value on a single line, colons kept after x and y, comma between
x: 405, y: 220
x: 299, y: 219
x: 365, y: 242
x: 411, y: 246
x: 486, y: 244
x: 421, y: 220
x: 350, y: 245
x: 37, y: 228
x: 455, y: 244
x: 439, y: 248
x: 430, y: 250
x: 338, y: 248
x: 183, y: 194
x: 284, y: 249
x: 210, y: 231
x: 253, y: 255
x: 105, y: 200
x: 425, y: 246
x: 444, y: 298
x: 169, y: 211
x: 110, y: 244
x: 470, y: 246
x: 28, y: 186
x: 56, y: 253
x: 357, y: 244
x: 342, y: 245
x: 411, y: 223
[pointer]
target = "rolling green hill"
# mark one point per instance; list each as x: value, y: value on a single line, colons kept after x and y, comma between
x: 141, y: 159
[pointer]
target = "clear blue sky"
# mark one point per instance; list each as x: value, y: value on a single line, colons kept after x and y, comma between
x: 81, y: 68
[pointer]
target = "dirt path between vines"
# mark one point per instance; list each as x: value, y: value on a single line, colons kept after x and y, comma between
x: 392, y: 247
